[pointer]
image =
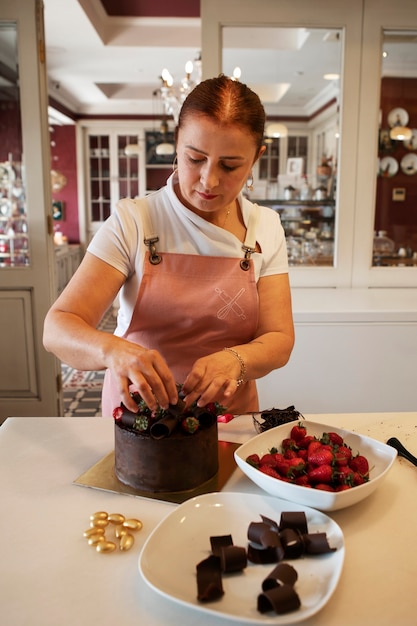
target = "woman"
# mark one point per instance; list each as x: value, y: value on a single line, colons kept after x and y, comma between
x: 202, y: 273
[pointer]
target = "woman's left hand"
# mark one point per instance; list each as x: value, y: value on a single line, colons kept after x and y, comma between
x: 212, y: 378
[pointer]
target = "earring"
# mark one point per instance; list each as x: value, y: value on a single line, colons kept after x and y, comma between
x: 175, y: 164
x: 249, y: 183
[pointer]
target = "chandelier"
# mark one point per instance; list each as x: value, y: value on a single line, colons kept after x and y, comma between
x: 173, y: 97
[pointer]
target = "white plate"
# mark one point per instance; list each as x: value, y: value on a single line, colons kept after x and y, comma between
x: 388, y: 167
x: 397, y: 117
x: 409, y: 164
x: 170, y: 555
x: 380, y: 457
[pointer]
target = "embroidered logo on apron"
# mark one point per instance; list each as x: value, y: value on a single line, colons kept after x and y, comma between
x: 231, y: 304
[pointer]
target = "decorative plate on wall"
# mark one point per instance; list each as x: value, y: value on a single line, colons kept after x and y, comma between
x: 411, y: 144
x: 397, y: 117
x: 409, y: 164
x: 388, y: 167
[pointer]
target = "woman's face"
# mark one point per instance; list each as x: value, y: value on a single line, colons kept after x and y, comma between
x: 214, y: 163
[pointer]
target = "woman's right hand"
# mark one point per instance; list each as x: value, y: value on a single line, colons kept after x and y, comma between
x: 136, y: 368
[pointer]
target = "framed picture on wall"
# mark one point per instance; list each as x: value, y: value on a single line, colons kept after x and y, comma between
x: 58, y: 210
x: 295, y: 166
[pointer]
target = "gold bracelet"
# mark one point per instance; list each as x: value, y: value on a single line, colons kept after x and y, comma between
x: 237, y: 356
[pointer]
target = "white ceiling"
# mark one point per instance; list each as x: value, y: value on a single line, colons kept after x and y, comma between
x: 101, y: 65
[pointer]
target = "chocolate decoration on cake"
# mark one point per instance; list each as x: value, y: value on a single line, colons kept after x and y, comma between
x: 164, y: 427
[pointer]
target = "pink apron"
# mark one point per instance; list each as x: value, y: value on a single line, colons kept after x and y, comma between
x: 189, y: 306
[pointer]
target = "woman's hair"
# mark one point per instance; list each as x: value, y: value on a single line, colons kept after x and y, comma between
x: 226, y: 101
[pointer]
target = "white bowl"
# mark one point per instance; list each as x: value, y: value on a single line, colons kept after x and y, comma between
x: 380, y: 457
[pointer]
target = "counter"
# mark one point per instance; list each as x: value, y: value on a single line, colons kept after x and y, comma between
x: 50, y: 575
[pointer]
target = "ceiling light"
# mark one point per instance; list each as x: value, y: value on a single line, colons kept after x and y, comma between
x: 165, y: 149
x: 331, y: 76
x: 276, y: 130
x: 131, y: 149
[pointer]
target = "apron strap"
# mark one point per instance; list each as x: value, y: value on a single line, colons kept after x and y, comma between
x: 150, y: 236
x: 249, y: 245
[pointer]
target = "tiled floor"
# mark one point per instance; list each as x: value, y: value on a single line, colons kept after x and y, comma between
x: 86, y: 402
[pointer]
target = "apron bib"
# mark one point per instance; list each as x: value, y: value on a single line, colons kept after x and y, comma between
x: 189, y: 306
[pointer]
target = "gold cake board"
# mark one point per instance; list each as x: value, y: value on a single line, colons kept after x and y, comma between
x: 101, y: 476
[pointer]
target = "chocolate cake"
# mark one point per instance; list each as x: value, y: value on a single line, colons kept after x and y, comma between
x: 166, y: 454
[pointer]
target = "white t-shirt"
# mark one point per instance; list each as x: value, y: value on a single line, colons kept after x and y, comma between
x: 119, y: 241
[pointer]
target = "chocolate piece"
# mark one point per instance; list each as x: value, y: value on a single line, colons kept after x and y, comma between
x: 206, y: 418
x: 233, y: 559
x: 292, y: 543
x: 317, y: 543
x: 294, y: 519
x: 164, y: 427
x: 270, y: 522
x: 218, y: 542
x: 177, y: 409
x: 282, y: 574
x: 257, y: 554
x: 281, y: 599
x: 209, y: 579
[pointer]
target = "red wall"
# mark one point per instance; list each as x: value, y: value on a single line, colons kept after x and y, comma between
x: 63, y: 159
x: 399, y: 219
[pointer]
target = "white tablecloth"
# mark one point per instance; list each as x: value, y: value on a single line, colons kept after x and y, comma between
x: 50, y: 577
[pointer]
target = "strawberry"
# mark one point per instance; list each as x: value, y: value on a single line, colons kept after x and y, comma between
x: 360, y: 464
x: 321, y: 474
x: 268, y: 459
x: 358, y: 479
x: 269, y: 471
x: 333, y: 438
x: 313, y: 445
x: 324, y: 487
x: 321, y: 455
x: 344, y: 475
x: 288, y: 444
x: 117, y: 413
x: 298, y: 432
x: 253, y: 459
x: 305, y: 441
x: 342, y: 455
x: 190, y: 424
x: 302, y: 480
x: 343, y: 487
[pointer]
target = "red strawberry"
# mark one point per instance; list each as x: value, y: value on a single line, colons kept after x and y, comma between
x: 324, y: 487
x: 321, y: 455
x: 190, y: 424
x: 288, y: 444
x: 344, y: 475
x: 268, y: 459
x: 117, y: 413
x: 302, y: 480
x: 358, y: 479
x: 321, y: 474
x: 342, y: 455
x: 359, y: 463
x: 313, y: 445
x: 270, y: 471
x: 333, y: 438
x: 305, y: 441
x: 298, y: 432
x: 343, y: 487
x: 253, y: 459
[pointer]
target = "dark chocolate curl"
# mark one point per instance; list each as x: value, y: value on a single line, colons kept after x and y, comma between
x: 258, y: 554
x: 282, y: 574
x: 317, y: 543
x: 209, y: 579
x: 281, y: 599
x: 177, y: 409
x: 270, y: 522
x: 163, y: 427
x: 233, y: 559
x: 206, y: 418
x: 294, y: 519
x: 292, y: 543
x: 218, y: 542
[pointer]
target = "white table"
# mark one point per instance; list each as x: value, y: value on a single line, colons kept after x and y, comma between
x: 51, y: 577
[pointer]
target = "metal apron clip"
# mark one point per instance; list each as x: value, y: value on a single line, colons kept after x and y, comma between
x: 244, y: 264
x: 154, y: 257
